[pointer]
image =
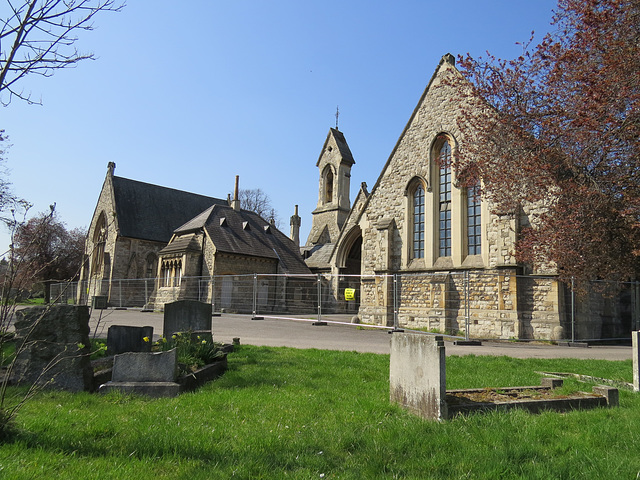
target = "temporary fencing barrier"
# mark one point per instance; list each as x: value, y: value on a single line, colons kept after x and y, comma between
x: 468, y: 304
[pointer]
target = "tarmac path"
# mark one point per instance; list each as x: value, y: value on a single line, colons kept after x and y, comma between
x: 301, y: 333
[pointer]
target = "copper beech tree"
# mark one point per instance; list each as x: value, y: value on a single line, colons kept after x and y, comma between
x: 559, y: 127
x: 44, y: 249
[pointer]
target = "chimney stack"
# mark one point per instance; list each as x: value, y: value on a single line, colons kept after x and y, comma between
x: 295, y: 227
x: 235, y: 203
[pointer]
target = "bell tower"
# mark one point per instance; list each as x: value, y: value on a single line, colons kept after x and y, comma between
x: 334, y: 167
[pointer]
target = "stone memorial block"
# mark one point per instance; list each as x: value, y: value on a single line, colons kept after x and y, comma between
x: 417, y: 374
x: 150, y: 374
x: 124, y: 338
x: 186, y: 316
x: 145, y: 367
x: 53, y: 347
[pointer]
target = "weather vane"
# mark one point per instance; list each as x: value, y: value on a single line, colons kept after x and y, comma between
x: 337, y: 115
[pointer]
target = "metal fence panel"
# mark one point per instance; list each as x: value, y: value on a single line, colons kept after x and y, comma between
x: 465, y: 304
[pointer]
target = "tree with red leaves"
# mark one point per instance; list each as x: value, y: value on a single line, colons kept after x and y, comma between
x: 44, y: 249
x: 556, y: 138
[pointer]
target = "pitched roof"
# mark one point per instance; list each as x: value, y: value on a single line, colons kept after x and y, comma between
x: 152, y: 212
x: 245, y: 233
x: 343, y: 148
x: 185, y: 243
x: 318, y: 256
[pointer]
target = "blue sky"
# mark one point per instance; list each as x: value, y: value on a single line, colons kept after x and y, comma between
x: 190, y: 94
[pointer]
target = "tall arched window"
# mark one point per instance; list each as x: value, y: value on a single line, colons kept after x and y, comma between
x: 474, y: 226
x: 444, y: 186
x: 151, y: 266
x: 418, y: 222
x: 100, y: 234
x: 328, y: 185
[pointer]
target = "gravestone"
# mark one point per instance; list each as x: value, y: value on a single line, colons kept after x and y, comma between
x: 53, y: 348
x: 150, y: 374
x: 124, y: 338
x: 186, y: 316
x: 417, y: 374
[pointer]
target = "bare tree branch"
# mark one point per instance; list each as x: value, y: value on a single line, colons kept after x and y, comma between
x: 39, y: 37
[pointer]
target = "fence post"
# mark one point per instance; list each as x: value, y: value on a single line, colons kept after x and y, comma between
x: 573, y: 313
x: 255, y: 298
x: 213, y: 297
x: 146, y: 293
x: 319, y: 320
x: 120, y: 292
x: 395, y: 306
x: 467, y: 309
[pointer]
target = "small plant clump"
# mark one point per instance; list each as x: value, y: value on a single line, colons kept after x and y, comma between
x: 194, y: 352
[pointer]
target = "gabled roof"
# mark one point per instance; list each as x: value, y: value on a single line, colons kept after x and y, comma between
x: 343, y: 148
x: 446, y: 62
x: 245, y: 233
x: 185, y: 243
x: 152, y: 212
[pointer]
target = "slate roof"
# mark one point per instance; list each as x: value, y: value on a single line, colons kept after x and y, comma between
x: 341, y: 142
x: 185, y: 243
x: 152, y: 212
x: 318, y: 256
x: 245, y: 233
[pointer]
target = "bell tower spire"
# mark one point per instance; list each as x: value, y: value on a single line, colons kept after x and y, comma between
x: 334, y: 167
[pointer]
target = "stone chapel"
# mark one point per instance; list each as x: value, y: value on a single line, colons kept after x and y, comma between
x: 444, y: 243
x: 443, y: 240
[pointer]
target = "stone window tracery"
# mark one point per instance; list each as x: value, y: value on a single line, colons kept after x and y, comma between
x: 171, y: 272
x: 151, y: 266
x: 474, y: 217
x: 444, y: 202
x: 418, y: 221
x: 99, y: 242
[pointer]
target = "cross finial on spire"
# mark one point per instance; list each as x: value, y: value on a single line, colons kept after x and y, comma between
x: 337, y: 115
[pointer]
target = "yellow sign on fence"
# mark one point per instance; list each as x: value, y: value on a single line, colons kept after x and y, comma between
x: 349, y: 294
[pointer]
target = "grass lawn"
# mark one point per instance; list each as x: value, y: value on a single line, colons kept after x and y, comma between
x: 305, y: 414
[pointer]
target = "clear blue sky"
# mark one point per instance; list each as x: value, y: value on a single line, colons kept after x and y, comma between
x: 190, y: 94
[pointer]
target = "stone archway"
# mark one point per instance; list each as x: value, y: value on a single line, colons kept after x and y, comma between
x: 350, y: 268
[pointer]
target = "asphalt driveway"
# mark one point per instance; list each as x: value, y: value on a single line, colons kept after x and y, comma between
x: 301, y: 333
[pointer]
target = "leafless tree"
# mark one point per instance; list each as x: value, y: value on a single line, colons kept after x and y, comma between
x: 257, y: 201
x: 39, y: 36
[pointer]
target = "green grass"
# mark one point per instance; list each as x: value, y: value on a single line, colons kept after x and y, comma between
x: 286, y: 413
x: 32, y: 301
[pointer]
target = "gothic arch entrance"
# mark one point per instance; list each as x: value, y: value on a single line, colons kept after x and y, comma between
x: 349, y: 264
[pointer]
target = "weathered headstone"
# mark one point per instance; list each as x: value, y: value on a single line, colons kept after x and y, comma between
x: 150, y: 374
x: 186, y: 316
x: 417, y: 374
x: 635, y: 342
x: 125, y: 338
x: 52, y: 345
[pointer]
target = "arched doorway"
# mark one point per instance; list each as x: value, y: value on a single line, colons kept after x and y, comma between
x: 349, y: 263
